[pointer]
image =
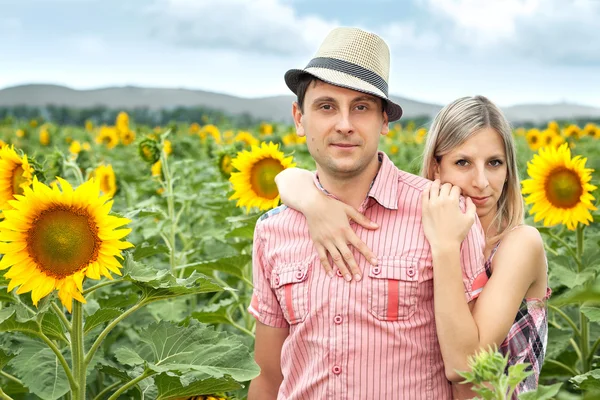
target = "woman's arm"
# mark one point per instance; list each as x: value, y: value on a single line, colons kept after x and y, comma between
x: 327, y: 220
x: 465, y: 328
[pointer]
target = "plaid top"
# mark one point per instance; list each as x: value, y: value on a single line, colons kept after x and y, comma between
x: 528, y: 336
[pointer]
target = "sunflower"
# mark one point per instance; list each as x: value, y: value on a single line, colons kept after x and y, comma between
x: 265, y: 129
x: 20, y: 133
x: 156, y: 169
x: 572, y: 131
x: 44, y: 136
x: 15, y: 175
x: 591, y: 130
x: 254, y: 185
x: 533, y: 139
x: 105, y: 176
x: 167, y: 147
x: 225, y: 166
x: 210, y: 130
x: 89, y: 125
x: 108, y: 136
x: 559, y: 188
x: 55, y: 238
x: 246, y: 138
x: 127, y: 136
x: 553, y: 126
x: 547, y: 137
x: 75, y: 147
x: 194, y: 128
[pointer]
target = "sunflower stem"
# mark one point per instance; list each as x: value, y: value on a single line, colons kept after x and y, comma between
x: 106, y: 390
x: 568, y: 247
x: 131, y: 384
x: 566, y: 318
x: 100, y: 285
x: 61, y: 316
x: 72, y: 382
x: 583, y: 320
x: 170, y: 205
x: 4, y: 396
x: 78, y: 351
x: 12, y: 378
x: 109, y: 328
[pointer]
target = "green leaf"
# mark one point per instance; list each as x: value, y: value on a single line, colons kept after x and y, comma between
x: 171, y: 387
x: 233, y: 265
x: 558, y: 341
x: 165, y: 347
x: 100, y: 317
x: 114, y: 371
x: 5, y: 356
x: 591, y: 312
x: 138, y: 272
x: 12, y: 324
x: 52, y: 327
x: 542, y: 392
x: 245, y: 232
x: 174, y: 310
x: 587, y: 381
x: 128, y: 356
x: 216, y: 313
x: 147, y: 250
x: 39, y: 369
x: 119, y: 300
x: 576, y: 296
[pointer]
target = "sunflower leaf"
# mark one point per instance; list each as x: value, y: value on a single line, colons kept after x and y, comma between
x: 5, y: 356
x: 173, y: 287
x: 40, y: 371
x: 587, y: 381
x: 542, y: 392
x: 100, y: 317
x: 147, y: 250
x: 232, y: 265
x: 52, y: 327
x: 11, y: 322
x: 166, y: 347
x: 592, y: 313
x: 216, y: 313
x: 171, y: 387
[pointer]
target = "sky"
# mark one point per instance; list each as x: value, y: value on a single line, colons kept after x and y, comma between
x: 512, y: 51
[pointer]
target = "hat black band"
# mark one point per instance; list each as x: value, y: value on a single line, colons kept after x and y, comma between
x: 351, y: 69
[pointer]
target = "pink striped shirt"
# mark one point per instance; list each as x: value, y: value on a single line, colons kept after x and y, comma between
x: 370, y: 339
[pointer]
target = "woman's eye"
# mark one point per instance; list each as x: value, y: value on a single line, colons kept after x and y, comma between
x: 461, y: 163
x: 495, y: 163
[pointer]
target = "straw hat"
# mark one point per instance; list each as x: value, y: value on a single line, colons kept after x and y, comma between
x: 354, y: 59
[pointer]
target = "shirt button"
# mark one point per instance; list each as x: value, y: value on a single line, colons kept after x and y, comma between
x: 338, y: 319
x: 337, y: 369
x: 410, y: 272
x: 376, y: 270
x: 338, y: 273
x: 277, y: 280
x: 299, y: 275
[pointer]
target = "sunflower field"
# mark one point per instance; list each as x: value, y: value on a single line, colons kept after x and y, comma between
x: 126, y: 253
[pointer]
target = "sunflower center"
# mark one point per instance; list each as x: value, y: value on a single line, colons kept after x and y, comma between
x: 262, y: 178
x: 534, y: 139
x: 106, y: 139
x: 62, y: 241
x: 18, y: 179
x: 563, y: 188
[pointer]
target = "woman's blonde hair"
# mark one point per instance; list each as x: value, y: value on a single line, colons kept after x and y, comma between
x: 457, y: 122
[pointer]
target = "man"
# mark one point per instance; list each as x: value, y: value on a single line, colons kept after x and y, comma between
x: 322, y: 337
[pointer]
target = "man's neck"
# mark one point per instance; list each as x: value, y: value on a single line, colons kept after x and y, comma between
x: 351, y: 190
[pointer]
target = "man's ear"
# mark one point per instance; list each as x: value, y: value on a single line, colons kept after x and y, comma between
x: 385, y: 129
x: 297, y: 114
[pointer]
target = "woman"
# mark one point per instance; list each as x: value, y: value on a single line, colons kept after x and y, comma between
x: 469, y: 151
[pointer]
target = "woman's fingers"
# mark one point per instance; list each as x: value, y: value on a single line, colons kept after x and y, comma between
x: 360, y: 218
x: 324, y: 260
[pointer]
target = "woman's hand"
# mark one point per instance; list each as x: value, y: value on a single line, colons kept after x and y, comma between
x: 329, y: 227
x: 444, y: 223
x: 327, y: 221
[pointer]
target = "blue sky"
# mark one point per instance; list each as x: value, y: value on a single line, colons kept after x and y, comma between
x: 513, y: 51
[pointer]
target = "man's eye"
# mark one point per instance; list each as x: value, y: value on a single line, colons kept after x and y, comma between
x: 361, y: 107
x: 326, y: 106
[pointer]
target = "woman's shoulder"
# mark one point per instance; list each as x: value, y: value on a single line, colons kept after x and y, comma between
x: 522, y: 245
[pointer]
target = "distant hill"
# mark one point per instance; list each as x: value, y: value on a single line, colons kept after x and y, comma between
x: 275, y: 108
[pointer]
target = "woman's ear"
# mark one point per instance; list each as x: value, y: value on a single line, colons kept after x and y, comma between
x: 436, y: 168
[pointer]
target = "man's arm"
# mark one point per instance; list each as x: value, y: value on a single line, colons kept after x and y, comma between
x: 267, y: 353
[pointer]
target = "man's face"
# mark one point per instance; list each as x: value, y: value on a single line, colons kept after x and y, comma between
x: 342, y: 128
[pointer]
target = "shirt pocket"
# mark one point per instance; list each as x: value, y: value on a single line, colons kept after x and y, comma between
x: 290, y: 283
x: 393, y: 288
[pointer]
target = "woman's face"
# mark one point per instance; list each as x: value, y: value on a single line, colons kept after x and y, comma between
x: 478, y: 167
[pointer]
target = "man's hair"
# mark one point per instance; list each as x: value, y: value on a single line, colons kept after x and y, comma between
x: 306, y: 80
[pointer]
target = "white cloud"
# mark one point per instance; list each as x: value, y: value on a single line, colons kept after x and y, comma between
x: 260, y: 25
x: 552, y: 31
